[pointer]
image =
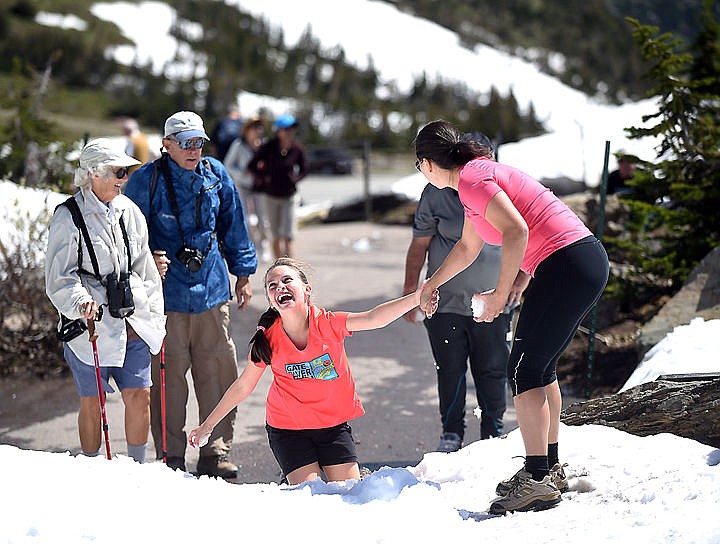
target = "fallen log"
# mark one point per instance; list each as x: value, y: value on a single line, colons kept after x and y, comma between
x: 686, y: 405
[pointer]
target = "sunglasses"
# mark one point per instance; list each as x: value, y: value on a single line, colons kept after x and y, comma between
x: 121, y: 173
x: 196, y: 143
x: 418, y: 162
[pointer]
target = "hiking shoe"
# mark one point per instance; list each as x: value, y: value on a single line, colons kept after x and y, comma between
x: 449, y: 442
x: 175, y: 463
x: 504, y: 487
x: 557, y: 474
x: 528, y: 494
x: 218, y: 466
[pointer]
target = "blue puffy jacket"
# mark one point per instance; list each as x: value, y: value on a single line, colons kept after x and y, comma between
x: 212, y: 221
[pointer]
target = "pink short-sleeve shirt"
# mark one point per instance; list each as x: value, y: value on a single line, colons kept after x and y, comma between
x: 551, y: 224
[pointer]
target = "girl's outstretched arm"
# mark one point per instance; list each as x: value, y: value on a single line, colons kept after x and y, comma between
x: 235, y: 394
x: 386, y: 312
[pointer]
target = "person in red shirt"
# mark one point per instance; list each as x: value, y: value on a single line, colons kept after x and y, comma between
x: 312, y: 396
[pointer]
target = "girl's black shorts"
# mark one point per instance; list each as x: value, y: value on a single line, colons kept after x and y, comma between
x: 297, y: 448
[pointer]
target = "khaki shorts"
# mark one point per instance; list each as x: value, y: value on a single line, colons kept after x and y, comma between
x: 281, y: 216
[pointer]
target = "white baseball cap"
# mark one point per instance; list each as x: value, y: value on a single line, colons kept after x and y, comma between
x: 102, y: 151
x: 184, y: 125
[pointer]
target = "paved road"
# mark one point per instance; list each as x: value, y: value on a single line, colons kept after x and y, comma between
x: 356, y: 265
x: 317, y: 189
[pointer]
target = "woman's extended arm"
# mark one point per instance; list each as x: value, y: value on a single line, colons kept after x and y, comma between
x: 235, y: 394
x: 504, y: 216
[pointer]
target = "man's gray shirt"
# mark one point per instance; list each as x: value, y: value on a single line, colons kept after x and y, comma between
x: 440, y: 214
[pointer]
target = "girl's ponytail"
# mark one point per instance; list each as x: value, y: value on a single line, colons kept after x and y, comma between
x: 260, y: 347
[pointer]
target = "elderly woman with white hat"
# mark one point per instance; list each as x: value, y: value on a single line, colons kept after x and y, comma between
x: 99, y: 267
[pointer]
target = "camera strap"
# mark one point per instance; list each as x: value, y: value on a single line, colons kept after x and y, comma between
x: 126, y: 239
x: 72, y: 205
x: 171, y: 195
x: 173, y: 201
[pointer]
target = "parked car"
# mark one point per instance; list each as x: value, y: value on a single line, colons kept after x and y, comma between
x: 329, y: 160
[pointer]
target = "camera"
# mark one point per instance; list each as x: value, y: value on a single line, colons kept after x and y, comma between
x: 190, y: 257
x: 70, y: 329
x: 119, y: 295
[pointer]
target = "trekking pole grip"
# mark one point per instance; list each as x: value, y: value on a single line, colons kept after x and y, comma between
x: 91, y: 330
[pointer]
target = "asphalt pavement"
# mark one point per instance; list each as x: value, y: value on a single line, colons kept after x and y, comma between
x: 355, y: 266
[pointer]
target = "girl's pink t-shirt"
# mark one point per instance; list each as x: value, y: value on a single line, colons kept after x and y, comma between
x: 551, y: 224
x: 312, y: 388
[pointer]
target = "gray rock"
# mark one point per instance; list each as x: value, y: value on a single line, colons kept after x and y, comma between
x: 687, y: 406
x: 699, y: 297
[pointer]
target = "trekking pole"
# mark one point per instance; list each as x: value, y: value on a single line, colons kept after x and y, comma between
x: 163, y: 416
x: 101, y: 393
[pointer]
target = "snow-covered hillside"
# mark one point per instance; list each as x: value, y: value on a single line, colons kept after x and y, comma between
x: 401, y: 47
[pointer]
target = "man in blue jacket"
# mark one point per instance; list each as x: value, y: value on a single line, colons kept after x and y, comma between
x: 197, y: 233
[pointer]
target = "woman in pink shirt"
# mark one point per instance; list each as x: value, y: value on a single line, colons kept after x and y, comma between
x: 542, y: 239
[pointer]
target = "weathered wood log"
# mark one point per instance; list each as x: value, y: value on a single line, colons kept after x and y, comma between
x: 687, y: 407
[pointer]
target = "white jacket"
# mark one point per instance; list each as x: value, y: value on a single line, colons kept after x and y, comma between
x: 67, y: 289
x: 236, y: 161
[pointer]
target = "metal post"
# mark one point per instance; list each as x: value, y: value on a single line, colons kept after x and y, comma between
x: 593, y: 311
x: 366, y: 180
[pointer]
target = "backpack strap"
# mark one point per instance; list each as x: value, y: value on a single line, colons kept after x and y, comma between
x: 72, y: 205
x: 153, y: 180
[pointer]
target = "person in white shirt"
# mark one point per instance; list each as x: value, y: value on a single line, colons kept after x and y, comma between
x: 115, y: 283
x: 241, y: 152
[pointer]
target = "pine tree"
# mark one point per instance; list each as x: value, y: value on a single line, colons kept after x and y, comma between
x: 675, y: 202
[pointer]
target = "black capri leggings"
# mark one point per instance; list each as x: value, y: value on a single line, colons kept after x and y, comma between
x: 566, y: 285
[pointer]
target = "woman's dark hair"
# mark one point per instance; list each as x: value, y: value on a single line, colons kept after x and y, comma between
x: 446, y: 146
x: 260, y: 349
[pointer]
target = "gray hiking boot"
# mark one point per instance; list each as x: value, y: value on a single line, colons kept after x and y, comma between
x: 449, y: 442
x: 504, y: 487
x: 527, y: 494
x: 218, y: 466
x: 557, y: 475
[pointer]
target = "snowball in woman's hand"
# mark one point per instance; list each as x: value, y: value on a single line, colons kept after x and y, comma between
x: 195, y: 443
x: 478, y: 307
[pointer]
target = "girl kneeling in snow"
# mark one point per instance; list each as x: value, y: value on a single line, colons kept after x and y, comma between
x: 312, y: 396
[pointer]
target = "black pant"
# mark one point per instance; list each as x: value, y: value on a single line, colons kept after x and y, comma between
x: 456, y: 338
x: 566, y: 285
